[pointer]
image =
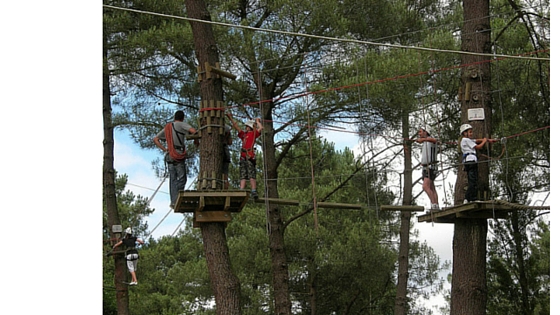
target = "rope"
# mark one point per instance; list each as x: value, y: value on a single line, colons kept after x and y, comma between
x: 436, y: 99
x: 180, y: 224
x: 265, y: 165
x: 315, y: 219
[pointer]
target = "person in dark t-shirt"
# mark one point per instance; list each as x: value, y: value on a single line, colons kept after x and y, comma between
x: 129, y: 241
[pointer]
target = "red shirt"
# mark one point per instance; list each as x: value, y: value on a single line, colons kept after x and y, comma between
x: 249, y: 139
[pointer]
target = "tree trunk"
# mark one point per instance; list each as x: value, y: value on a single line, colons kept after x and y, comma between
x: 475, y: 87
x: 280, y: 275
x: 468, y: 284
x: 109, y: 191
x: 225, y: 284
x: 468, y: 287
x: 401, y: 305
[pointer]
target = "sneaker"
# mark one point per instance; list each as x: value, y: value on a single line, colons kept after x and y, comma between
x: 435, y: 207
x: 134, y: 283
x: 172, y: 206
x: 254, y: 194
x: 465, y: 201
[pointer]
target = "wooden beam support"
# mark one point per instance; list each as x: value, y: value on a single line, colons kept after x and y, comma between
x: 212, y: 216
x: 402, y: 208
x: 333, y: 205
x: 278, y: 201
x: 216, y: 69
x: 227, y: 203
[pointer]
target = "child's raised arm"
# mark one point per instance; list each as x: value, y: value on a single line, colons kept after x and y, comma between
x: 233, y: 123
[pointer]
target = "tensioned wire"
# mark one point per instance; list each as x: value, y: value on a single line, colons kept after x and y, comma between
x: 355, y: 41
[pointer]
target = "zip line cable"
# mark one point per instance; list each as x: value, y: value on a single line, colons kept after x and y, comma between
x: 321, y: 37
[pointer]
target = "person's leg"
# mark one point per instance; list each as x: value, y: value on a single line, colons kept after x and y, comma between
x: 131, y: 265
x: 177, y: 180
x: 434, y: 193
x: 181, y: 176
x: 133, y: 272
x: 252, y: 173
x: 429, y: 188
x: 243, y: 173
x: 432, y: 187
x: 472, y: 176
x: 172, y: 183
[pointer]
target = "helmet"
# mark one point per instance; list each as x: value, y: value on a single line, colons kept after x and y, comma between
x: 250, y: 123
x: 128, y: 230
x: 427, y: 129
x: 464, y: 127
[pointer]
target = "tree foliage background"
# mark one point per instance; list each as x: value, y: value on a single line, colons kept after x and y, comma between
x: 369, y: 87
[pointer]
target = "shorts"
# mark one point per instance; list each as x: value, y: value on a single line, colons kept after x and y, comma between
x: 131, y: 262
x: 429, y: 171
x: 247, y: 169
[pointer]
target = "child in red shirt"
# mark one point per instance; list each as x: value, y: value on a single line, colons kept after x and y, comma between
x: 247, y: 162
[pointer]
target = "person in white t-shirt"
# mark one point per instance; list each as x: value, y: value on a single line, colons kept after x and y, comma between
x: 428, y: 160
x: 470, y: 160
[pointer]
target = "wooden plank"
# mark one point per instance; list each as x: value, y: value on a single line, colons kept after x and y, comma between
x: 227, y: 203
x: 401, y: 208
x: 212, y: 216
x: 471, y: 210
x: 200, y: 204
x: 278, y: 201
x: 486, y: 214
x: 333, y: 205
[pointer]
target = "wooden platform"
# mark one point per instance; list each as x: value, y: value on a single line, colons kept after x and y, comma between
x: 474, y: 210
x: 211, y: 206
x: 226, y: 200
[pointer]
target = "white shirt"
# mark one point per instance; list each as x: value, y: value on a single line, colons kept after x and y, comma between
x: 429, y: 152
x: 467, y: 147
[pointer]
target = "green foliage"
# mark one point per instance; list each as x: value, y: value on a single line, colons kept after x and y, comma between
x: 348, y: 249
x: 519, y: 266
x: 132, y: 211
x: 173, y: 277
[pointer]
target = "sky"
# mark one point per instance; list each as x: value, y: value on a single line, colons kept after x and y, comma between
x: 52, y: 200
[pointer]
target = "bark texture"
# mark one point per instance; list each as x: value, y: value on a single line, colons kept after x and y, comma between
x: 468, y: 286
x: 225, y: 284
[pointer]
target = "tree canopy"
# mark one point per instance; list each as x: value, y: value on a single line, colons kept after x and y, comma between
x: 304, y: 85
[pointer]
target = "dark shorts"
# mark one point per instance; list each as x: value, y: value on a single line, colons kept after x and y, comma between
x: 247, y: 169
x: 429, y: 171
